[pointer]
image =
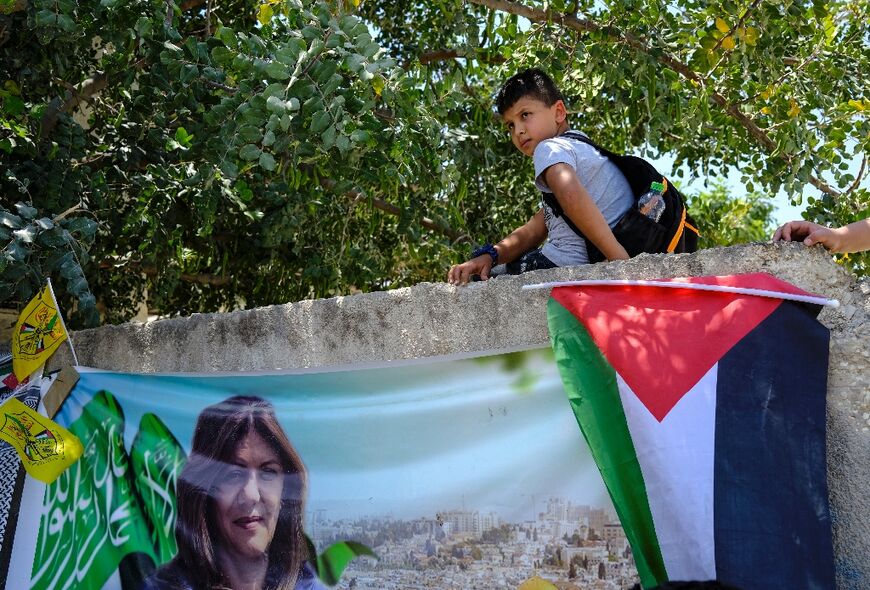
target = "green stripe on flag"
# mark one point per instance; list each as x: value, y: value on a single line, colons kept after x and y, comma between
x: 590, y: 383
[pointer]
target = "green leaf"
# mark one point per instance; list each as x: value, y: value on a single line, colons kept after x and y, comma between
x: 288, y: 54
x: 360, y: 136
x: 229, y: 168
x: 275, y: 104
x: 228, y: 36
x: 267, y: 161
x: 370, y: 50
x: 249, y: 133
x: 332, y: 562
x: 277, y: 71
x: 26, y: 234
x: 354, y: 62
x: 78, y: 286
x: 310, y: 32
x: 332, y: 84
x: 14, y: 252
x: 70, y: 270
x: 45, y: 18
x: 319, y: 121
x: 708, y: 42
x: 182, y: 137
x: 44, y: 223
x: 274, y: 89
x: 189, y: 72
x: 83, y: 226
x: 244, y: 191
x: 249, y: 152
x: 53, y: 238
x: 325, y: 72
x: 56, y: 259
x: 143, y: 26
x: 328, y: 137
x: 342, y: 143
x: 222, y: 56
x: 26, y: 211
x: 13, y: 106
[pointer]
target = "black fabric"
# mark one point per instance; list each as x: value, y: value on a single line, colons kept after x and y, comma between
x: 770, y: 493
x: 635, y: 231
x: 529, y: 261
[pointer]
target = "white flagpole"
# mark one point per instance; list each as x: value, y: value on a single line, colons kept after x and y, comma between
x: 62, y: 323
x: 696, y: 286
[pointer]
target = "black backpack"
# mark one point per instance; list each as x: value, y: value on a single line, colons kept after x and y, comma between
x: 673, y: 232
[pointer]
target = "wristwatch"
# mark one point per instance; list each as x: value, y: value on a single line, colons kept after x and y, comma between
x: 487, y: 249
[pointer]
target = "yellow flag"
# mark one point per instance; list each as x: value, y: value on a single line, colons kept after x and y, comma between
x: 536, y: 583
x: 45, y: 447
x: 38, y: 333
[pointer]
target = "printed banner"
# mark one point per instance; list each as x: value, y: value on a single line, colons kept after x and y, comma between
x: 454, y: 473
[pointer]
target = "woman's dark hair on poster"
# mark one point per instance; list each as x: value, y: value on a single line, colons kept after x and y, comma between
x: 220, y: 428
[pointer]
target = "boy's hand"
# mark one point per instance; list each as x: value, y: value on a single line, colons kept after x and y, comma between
x: 810, y: 234
x: 460, y: 274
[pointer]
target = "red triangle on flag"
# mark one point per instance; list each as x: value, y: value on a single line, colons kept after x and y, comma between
x: 662, y: 340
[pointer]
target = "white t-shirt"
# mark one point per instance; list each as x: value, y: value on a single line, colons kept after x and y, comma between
x: 601, y: 179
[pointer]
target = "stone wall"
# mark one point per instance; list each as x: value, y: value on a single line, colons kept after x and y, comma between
x: 433, y: 319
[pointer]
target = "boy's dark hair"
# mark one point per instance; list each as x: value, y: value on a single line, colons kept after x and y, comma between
x: 532, y: 83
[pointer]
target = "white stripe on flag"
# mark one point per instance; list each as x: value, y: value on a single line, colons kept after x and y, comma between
x: 676, y: 284
x: 676, y: 460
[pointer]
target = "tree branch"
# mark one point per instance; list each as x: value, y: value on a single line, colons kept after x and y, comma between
x: 386, y: 207
x: 796, y: 67
x: 190, y: 4
x: 73, y: 97
x: 447, y: 54
x: 152, y: 271
x: 858, y: 176
x: 586, y: 26
x: 67, y: 213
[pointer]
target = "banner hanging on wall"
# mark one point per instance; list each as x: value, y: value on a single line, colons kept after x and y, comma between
x: 456, y: 474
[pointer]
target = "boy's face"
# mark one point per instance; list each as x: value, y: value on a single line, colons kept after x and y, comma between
x: 530, y: 121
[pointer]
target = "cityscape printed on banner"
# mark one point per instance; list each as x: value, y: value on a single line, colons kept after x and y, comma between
x: 575, y: 547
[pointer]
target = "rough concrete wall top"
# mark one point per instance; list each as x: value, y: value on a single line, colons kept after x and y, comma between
x: 430, y: 319
x: 439, y: 319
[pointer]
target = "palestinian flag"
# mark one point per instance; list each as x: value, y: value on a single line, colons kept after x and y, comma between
x: 705, y: 411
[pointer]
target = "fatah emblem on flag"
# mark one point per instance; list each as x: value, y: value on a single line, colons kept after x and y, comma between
x: 705, y: 412
x: 45, y: 448
x: 37, y: 334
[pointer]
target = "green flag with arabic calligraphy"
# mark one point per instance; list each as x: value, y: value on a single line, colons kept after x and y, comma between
x: 157, y: 460
x: 91, y: 514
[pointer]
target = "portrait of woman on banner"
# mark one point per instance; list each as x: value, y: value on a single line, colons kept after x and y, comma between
x: 241, y: 498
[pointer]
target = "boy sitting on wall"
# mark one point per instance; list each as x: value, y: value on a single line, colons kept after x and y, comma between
x: 591, y: 190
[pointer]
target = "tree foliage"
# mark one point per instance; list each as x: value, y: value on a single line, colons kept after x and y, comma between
x: 209, y: 154
x: 725, y: 220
